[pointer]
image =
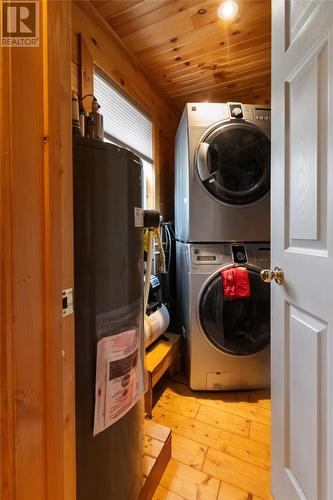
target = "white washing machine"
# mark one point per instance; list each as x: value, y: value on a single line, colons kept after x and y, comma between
x: 222, y: 173
x: 228, y: 340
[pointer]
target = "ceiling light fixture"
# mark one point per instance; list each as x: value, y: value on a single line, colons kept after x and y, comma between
x: 227, y: 10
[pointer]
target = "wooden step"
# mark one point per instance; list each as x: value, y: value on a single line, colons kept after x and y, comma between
x: 161, y: 356
x: 157, y: 455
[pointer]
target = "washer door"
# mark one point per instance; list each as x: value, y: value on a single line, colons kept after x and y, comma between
x: 236, y: 326
x: 233, y: 163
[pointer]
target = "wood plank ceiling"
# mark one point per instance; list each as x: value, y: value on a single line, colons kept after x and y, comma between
x: 190, y: 53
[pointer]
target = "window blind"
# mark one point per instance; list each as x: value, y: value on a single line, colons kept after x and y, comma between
x: 122, y: 119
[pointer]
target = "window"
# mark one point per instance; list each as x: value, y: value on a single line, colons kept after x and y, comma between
x: 127, y: 126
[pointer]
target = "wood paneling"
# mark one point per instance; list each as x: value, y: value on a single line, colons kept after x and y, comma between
x: 190, y: 53
x: 37, y: 442
x: 109, y: 54
x: 218, y: 451
x: 7, y: 410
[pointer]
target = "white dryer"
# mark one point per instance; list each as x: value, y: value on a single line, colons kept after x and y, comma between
x: 222, y: 173
x: 228, y: 340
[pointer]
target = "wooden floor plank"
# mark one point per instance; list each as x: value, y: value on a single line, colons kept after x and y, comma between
x: 164, y: 494
x: 223, y: 420
x: 249, y: 411
x: 229, y: 492
x: 187, y: 427
x: 183, y: 390
x: 244, y: 448
x: 205, y: 434
x: 188, y: 451
x: 221, y: 444
x: 260, y: 433
x: 189, y: 483
x: 232, y: 402
x: 178, y: 405
x: 238, y: 473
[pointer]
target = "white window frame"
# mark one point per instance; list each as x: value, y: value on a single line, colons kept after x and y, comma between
x: 148, y: 184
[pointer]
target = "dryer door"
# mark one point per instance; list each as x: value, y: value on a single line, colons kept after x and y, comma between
x: 238, y: 327
x: 233, y: 163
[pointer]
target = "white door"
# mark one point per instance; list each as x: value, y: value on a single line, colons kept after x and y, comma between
x: 302, y: 245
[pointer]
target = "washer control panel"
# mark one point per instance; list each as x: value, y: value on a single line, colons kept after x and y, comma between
x: 206, y: 255
x: 262, y: 255
x: 206, y: 258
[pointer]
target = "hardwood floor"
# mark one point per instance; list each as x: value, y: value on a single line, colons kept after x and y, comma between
x: 220, y: 443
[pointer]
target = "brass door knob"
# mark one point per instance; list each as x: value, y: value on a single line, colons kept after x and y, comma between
x: 277, y: 275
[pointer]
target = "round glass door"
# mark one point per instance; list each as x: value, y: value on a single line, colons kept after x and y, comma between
x: 233, y: 163
x: 236, y: 326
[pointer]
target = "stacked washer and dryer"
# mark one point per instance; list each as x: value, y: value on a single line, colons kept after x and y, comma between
x: 222, y: 212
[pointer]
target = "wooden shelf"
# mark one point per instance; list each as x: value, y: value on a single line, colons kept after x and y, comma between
x: 157, y: 455
x: 163, y: 355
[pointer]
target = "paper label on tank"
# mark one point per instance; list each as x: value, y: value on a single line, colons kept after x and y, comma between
x: 138, y: 217
x: 119, y: 381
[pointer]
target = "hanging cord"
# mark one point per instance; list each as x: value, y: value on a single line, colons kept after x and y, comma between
x: 148, y: 267
x: 168, y: 234
x: 169, y: 240
x: 87, y: 95
x: 161, y: 251
x: 165, y: 237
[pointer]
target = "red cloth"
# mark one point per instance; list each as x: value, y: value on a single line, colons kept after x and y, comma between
x: 236, y: 283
